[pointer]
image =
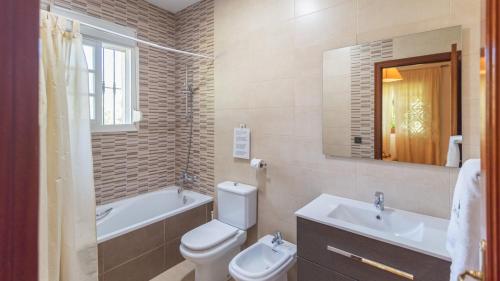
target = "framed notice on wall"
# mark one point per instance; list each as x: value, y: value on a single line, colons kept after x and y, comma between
x: 241, y: 143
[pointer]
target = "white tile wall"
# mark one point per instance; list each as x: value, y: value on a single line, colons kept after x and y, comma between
x: 268, y: 75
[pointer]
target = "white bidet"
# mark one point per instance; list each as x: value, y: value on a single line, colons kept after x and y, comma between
x: 264, y: 261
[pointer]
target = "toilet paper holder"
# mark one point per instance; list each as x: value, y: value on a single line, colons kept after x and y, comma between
x: 258, y: 163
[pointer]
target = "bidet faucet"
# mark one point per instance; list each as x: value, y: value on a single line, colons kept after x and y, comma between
x: 277, y: 239
x: 379, y: 200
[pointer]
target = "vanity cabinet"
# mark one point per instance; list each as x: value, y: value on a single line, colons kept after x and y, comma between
x: 330, y: 254
x: 312, y: 271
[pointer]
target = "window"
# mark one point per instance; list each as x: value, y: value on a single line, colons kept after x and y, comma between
x: 113, y: 72
x: 112, y: 92
x: 112, y: 89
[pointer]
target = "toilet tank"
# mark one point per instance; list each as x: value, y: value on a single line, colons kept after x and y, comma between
x: 237, y: 204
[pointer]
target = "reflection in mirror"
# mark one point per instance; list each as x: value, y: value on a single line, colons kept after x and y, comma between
x: 417, y: 115
x: 395, y: 99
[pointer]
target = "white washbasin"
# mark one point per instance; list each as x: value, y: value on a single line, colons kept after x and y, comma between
x: 389, y: 221
x: 421, y: 233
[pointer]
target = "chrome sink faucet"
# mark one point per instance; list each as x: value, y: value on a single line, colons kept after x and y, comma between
x: 277, y: 239
x: 379, y: 201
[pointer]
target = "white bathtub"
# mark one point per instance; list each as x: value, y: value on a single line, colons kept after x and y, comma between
x: 136, y: 212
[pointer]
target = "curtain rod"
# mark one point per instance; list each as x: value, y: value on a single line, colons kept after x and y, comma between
x: 158, y: 46
x: 147, y: 42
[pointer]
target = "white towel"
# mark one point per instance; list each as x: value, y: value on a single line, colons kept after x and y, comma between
x: 453, y: 157
x: 464, y: 231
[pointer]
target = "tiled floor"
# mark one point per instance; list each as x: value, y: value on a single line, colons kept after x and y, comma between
x: 184, y: 271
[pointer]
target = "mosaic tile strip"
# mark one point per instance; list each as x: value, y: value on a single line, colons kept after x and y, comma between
x: 363, y: 58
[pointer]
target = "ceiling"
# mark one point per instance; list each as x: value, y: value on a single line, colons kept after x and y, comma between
x: 173, y: 5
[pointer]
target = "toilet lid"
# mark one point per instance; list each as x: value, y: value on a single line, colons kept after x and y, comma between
x: 208, y: 235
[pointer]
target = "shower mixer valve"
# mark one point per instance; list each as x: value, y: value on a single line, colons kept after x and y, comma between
x: 187, y: 177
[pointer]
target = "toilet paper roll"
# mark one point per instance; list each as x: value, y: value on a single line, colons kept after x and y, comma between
x: 257, y: 163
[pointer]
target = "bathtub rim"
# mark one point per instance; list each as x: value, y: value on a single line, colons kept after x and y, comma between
x: 200, y: 199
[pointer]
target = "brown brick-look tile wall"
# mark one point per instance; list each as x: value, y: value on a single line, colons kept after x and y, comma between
x: 129, y: 163
x: 146, y: 252
x: 195, y: 32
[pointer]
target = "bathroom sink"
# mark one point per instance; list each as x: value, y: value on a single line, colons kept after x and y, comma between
x: 418, y: 232
x: 387, y: 221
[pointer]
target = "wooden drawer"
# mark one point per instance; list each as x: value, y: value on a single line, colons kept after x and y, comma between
x: 308, y: 271
x: 314, y: 239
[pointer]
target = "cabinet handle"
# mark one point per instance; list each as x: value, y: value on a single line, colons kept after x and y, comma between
x: 371, y: 263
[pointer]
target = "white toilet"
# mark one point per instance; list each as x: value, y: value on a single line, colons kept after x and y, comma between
x: 212, y: 246
x: 264, y: 261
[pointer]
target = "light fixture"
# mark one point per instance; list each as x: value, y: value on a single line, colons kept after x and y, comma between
x: 482, y: 66
x: 391, y: 75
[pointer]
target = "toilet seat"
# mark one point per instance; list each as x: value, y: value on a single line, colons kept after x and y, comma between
x: 210, y: 241
x: 208, y: 235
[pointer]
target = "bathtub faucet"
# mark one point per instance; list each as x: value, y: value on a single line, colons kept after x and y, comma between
x: 186, y: 178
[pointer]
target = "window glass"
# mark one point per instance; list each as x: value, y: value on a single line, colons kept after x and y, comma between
x: 108, y: 67
x: 89, y: 55
x: 92, y: 107
x: 119, y: 69
x: 119, y: 107
x: 91, y: 83
x: 108, y: 107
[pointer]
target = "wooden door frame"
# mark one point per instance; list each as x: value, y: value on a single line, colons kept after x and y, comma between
x: 379, y: 66
x: 19, y: 140
x: 490, y: 139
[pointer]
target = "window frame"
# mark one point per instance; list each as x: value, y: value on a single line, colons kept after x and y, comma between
x: 131, y: 75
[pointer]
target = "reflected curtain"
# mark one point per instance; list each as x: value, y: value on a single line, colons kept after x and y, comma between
x: 388, y: 137
x: 416, y: 116
x: 67, y: 230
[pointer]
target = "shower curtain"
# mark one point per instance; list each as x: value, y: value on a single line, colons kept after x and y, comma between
x: 67, y: 230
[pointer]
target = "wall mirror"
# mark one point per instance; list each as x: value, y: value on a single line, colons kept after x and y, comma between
x: 396, y: 99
